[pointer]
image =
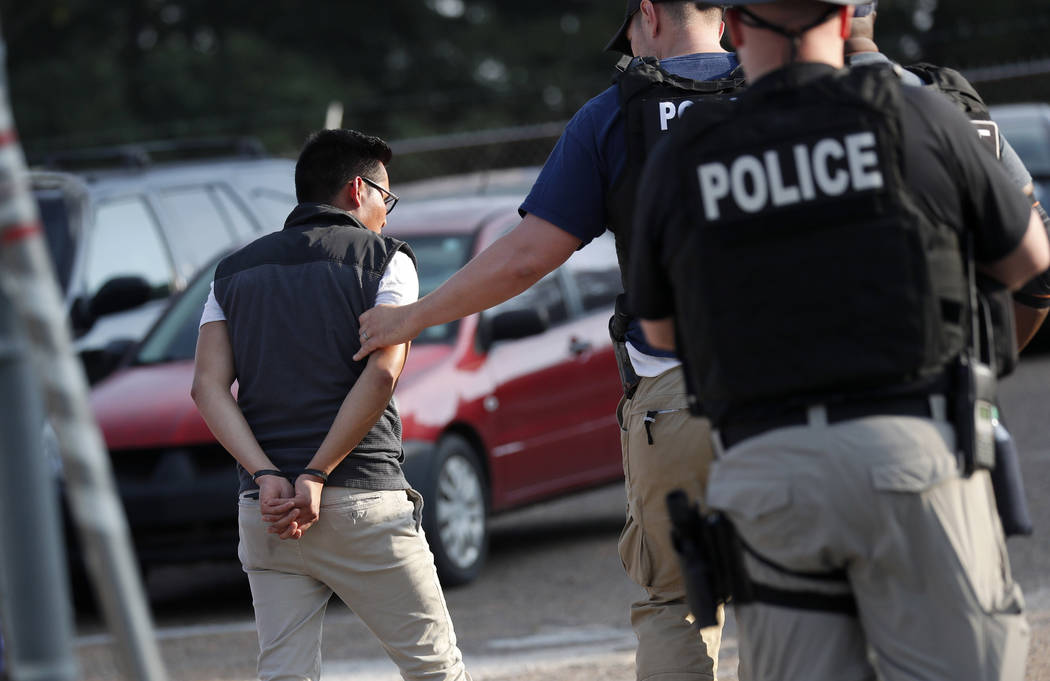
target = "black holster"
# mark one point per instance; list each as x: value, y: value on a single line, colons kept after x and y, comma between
x: 710, y: 558
x: 618, y: 324
x: 1010, y: 499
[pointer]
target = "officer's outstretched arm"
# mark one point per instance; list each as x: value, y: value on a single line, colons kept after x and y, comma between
x: 510, y: 265
x: 1031, y: 257
x: 659, y: 332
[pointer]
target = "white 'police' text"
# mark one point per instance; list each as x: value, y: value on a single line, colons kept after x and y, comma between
x: 827, y: 168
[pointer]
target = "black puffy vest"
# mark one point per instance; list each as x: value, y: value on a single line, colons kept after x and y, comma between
x: 814, y: 275
x: 653, y: 102
x: 292, y: 299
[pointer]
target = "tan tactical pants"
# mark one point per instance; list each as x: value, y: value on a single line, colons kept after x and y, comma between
x: 367, y: 547
x: 923, y: 548
x: 664, y: 448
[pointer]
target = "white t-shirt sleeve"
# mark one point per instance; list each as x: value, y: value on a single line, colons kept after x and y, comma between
x: 399, y: 284
x: 212, y: 311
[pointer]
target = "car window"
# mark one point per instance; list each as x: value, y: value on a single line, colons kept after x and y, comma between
x: 546, y: 294
x: 175, y: 335
x: 438, y: 256
x: 273, y: 206
x: 126, y: 241
x: 595, y: 273
x: 199, y: 228
x: 1029, y: 138
x: 61, y: 243
x: 1042, y: 190
x: 243, y: 225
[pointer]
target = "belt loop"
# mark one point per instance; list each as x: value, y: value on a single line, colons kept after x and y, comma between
x: 938, y: 407
x: 716, y: 443
x: 817, y: 415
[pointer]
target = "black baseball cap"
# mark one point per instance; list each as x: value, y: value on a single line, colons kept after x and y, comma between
x: 619, y: 42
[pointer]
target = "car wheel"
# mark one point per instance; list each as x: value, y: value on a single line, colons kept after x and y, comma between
x: 455, y: 518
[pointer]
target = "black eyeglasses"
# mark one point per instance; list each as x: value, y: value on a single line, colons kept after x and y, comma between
x: 389, y: 197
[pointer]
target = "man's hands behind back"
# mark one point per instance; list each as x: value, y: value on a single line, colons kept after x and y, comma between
x: 289, y: 510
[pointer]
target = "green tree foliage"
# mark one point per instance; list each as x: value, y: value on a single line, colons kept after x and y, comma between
x: 971, y: 36
x: 94, y: 73
x: 86, y: 72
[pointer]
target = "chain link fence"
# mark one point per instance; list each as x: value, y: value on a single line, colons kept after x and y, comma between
x: 481, y: 151
x: 472, y: 152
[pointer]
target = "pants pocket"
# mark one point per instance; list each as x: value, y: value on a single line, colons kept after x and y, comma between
x: 963, y: 511
x: 417, y: 507
x: 966, y: 512
x: 251, y: 533
x: 621, y: 413
x: 634, y: 554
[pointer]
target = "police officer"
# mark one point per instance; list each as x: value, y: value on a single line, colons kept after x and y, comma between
x: 1012, y: 321
x: 586, y: 187
x: 808, y: 251
x: 1031, y: 302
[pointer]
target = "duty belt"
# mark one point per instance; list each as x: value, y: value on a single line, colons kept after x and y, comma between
x: 925, y: 406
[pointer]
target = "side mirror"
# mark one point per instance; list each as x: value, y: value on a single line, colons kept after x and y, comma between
x: 101, y: 362
x: 511, y: 325
x: 120, y: 294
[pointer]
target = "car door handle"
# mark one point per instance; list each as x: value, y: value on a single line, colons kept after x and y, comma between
x: 578, y: 347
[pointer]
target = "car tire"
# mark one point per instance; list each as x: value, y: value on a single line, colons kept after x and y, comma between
x: 455, y: 517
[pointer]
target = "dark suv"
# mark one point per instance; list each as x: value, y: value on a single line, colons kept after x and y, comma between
x: 129, y: 226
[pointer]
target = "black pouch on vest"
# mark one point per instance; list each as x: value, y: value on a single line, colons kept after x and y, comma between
x: 974, y: 414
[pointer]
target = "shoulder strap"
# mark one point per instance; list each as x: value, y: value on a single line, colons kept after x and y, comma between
x: 646, y: 72
x: 954, y: 85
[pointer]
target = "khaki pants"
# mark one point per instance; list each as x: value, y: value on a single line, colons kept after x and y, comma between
x: 923, y: 549
x: 678, y: 457
x: 368, y: 549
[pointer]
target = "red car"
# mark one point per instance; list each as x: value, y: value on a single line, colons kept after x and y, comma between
x: 502, y: 409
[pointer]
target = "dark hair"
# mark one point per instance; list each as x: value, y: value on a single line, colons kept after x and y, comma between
x: 331, y: 158
x: 677, y: 8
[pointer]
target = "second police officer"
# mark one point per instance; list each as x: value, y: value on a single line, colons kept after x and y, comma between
x: 585, y: 187
x: 810, y: 252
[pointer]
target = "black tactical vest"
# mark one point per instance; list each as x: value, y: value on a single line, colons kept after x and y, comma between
x: 955, y: 87
x: 653, y: 101
x: 995, y: 300
x: 816, y: 275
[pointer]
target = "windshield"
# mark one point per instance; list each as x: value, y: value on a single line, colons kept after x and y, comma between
x: 438, y: 257
x: 174, y: 337
x: 58, y: 228
x: 1030, y: 138
x: 1042, y: 189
